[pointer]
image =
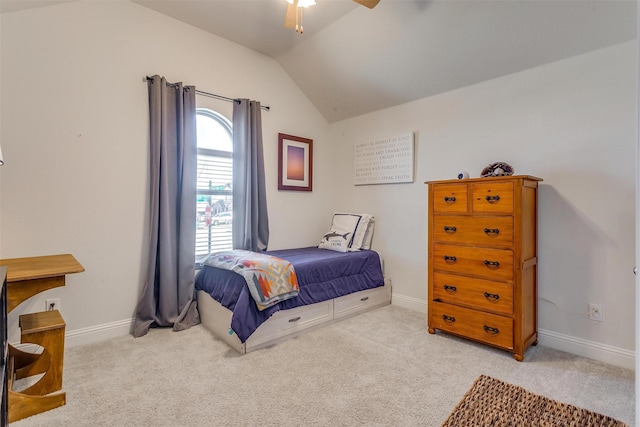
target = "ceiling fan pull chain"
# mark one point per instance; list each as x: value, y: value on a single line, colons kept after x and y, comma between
x: 299, y: 16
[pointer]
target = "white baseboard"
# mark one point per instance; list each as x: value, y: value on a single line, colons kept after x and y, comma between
x: 410, y: 303
x: 120, y: 328
x: 89, y: 335
x: 593, y: 350
x: 98, y: 333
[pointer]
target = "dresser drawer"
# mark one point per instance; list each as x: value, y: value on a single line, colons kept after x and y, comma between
x: 493, y: 264
x: 491, y: 231
x: 450, y: 198
x: 473, y: 293
x: 492, y: 197
x: 485, y: 327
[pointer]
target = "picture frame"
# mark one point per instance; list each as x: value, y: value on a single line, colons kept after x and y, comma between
x: 295, y: 163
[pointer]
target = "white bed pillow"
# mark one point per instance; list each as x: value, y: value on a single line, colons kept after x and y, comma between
x: 358, y: 223
x: 336, y: 240
x: 362, y: 225
x: 368, y: 235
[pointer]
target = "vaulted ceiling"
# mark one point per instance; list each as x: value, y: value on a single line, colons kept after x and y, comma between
x: 351, y: 60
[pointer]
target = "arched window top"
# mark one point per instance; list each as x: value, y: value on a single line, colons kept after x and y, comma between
x: 214, y: 131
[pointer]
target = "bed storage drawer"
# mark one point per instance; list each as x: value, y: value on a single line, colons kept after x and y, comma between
x: 286, y: 322
x: 363, y: 300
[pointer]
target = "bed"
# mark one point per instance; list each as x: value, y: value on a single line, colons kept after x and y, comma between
x: 335, y: 281
x: 333, y: 285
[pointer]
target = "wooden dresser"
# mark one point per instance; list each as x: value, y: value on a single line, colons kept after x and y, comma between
x: 482, y: 274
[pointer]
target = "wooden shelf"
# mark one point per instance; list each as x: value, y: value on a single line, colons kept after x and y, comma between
x: 42, y: 321
x: 29, y: 276
x: 4, y: 355
x: 26, y: 277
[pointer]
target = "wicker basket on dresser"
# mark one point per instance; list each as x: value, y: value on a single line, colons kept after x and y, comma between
x: 483, y: 260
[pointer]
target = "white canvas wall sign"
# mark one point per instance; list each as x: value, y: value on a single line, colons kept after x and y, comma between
x: 384, y: 161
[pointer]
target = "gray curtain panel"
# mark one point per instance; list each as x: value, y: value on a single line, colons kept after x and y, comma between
x: 168, y: 295
x: 250, y: 219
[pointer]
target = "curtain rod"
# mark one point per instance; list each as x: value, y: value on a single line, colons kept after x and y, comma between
x: 213, y: 95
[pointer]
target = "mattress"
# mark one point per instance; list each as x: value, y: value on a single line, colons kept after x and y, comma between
x: 322, y: 275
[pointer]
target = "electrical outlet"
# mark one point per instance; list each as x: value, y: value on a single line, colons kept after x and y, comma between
x: 52, y: 304
x: 595, y: 312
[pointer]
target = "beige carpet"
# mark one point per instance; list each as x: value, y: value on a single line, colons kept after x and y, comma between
x: 492, y: 402
x: 380, y: 368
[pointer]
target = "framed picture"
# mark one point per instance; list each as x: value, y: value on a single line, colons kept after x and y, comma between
x: 295, y: 157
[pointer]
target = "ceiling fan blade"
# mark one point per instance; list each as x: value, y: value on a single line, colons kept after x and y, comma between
x: 368, y: 3
x: 290, y: 16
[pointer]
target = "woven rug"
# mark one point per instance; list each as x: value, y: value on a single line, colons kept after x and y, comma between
x: 491, y: 402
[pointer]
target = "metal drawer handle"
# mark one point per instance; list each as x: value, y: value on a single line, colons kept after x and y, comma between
x: 364, y: 298
x: 494, y: 297
x: 491, y: 264
x: 449, y: 200
x: 448, y: 319
x: 492, y: 199
x: 450, y: 259
x: 490, y: 330
x: 295, y: 319
x: 449, y: 229
x: 450, y: 289
x: 492, y: 232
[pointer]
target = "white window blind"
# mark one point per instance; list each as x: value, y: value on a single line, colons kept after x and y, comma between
x: 214, y: 216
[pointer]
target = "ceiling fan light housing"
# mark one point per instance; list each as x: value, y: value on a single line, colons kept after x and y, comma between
x: 303, y: 3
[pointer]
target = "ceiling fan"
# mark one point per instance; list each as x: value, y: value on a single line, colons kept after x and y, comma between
x: 293, y: 17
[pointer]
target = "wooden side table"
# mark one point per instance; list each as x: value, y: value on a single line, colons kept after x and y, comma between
x: 27, y: 277
x: 4, y: 354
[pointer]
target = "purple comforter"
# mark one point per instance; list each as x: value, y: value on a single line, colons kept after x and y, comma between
x: 322, y: 275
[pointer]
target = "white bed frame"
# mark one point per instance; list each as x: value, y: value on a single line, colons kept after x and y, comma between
x: 285, y: 324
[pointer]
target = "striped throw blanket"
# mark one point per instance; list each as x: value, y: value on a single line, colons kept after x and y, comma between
x: 270, y: 279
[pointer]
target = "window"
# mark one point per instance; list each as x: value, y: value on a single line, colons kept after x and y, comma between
x: 214, y: 183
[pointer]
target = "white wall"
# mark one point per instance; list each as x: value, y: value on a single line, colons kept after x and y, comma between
x: 571, y: 123
x: 74, y: 136
x: 73, y: 131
